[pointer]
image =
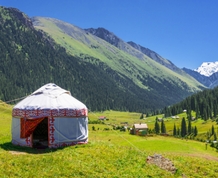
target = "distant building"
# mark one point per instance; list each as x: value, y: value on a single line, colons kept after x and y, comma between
x: 159, y: 119
x: 102, y: 118
x: 139, y: 129
x: 175, y: 117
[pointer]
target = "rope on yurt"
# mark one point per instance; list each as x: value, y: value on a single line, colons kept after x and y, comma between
x: 136, y: 148
x: 6, y: 102
x: 10, y: 101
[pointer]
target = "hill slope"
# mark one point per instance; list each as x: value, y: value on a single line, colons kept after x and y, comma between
x: 159, y: 81
x: 131, y: 48
x: 30, y: 59
x: 96, y: 72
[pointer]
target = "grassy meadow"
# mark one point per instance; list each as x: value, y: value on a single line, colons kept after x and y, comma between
x: 109, y: 153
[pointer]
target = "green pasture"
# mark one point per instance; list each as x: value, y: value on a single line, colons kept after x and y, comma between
x: 117, y: 118
x: 109, y: 153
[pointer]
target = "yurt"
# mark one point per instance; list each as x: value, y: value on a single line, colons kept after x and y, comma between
x: 49, y: 117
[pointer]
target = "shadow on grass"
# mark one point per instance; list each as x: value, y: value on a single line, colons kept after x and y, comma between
x: 8, y: 146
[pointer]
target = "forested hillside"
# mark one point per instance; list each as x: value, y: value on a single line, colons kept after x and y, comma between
x: 29, y: 58
x: 205, y: 105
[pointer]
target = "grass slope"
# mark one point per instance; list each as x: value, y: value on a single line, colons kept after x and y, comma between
x: 108, y: 154
x: 77, y: 42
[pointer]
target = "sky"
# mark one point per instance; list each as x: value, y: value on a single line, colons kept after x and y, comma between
x: 182, y: 31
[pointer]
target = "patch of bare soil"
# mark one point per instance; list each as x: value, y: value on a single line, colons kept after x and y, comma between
x: 162, y: 162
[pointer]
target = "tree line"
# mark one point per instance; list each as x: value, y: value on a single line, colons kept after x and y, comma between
x: 183, y: 131
x: 204, y: 104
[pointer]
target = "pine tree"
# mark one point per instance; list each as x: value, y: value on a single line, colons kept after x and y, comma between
x: 142, y: 116
x: 196, y: 131
x: 197, y: 113
x: 212, y: 130
x: 163, y: 127
x: 189, y: 127
x: 157, y: 127
x: 174, y: 130
x: 183, y: 127
x: 189, y: 115
x: 205, y: 114
x: 215, y: 137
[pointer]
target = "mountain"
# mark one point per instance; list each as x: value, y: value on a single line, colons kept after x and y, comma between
x: 201, y: 74
x: 199, y: 77
x: 119, y: 55
x: 42, y: 50
x: 207, y: 74
x: 156, y: 57
x: 207, y: 68
x: 29, y: 59
x: 131, y: 47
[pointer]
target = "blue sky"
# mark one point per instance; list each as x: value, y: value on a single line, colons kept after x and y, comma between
x: 183, y: 31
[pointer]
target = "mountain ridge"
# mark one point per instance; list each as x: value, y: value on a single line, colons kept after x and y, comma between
x: 100, y: 74
x: 150, y: 63
x: 207, y: 74
x: 208, y: 81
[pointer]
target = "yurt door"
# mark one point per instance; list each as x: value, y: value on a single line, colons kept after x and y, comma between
x: 40, y: 134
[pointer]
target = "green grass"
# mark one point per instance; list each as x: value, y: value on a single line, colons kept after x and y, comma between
x: 108, y: 154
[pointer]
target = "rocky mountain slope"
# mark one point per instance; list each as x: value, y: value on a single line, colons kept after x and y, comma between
x: 138, y: 50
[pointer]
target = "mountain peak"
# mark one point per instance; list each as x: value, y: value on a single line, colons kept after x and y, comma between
x: 105, y: 35
x: 207, y: 68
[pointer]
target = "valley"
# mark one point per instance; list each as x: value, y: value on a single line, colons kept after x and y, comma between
x: 108, y: 153
x: 122, y: 83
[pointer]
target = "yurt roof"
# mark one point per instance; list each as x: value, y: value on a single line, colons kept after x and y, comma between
x: 49, y: 100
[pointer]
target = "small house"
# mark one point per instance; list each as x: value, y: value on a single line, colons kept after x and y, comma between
x: 102, y: 118
x: 139, y: 129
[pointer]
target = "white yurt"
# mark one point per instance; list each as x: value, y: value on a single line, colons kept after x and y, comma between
x: 49, y: 117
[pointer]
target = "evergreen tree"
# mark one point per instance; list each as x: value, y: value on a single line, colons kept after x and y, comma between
x: 163, y: 127
x: 196, y: 131
x: 205, y: 113
x: 183, y: 127
x: 174, y: 130
x: 212, y: 130
x: 189, y: 127
x: 197, y: 113
x: 189, y: 116
x: 142, y: 116
x: 214, y: 108
x: 215, y: 137
x: 157, y: 127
